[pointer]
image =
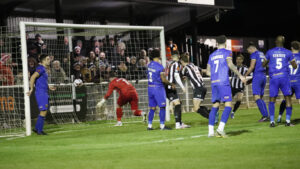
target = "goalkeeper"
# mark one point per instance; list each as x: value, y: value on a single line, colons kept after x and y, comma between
x: 127, y: 94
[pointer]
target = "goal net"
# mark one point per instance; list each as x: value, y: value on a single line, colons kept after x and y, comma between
x: 89, y: 53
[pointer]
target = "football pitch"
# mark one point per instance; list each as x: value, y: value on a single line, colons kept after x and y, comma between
x: 99, y: 145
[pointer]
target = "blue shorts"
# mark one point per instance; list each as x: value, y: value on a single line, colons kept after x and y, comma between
x: 258, y: 85
x: 157, y: 96
x: 221, y: 93
x: 280, y: 83
x: 42, y: 100
x: 296, y: 89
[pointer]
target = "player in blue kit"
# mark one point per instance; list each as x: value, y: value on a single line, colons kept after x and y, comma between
x: 156, y: 89
x: 218, y: 67
x: 258, y: 80
x: 278, y: 59
x: 40, y: 80
x: 294, y: 78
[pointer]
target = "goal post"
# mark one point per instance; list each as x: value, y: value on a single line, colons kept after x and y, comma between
x: 85, y: 31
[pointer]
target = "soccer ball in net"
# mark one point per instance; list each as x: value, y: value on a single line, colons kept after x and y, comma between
x: 78, y: 82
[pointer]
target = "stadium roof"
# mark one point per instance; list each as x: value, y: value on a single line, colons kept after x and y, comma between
x: 141, y: 12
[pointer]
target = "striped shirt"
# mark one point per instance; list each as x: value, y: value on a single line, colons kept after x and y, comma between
x: 194, y: 74
x: 173, y: 67
x: 235, y: 80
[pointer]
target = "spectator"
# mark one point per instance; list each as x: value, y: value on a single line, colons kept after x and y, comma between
x: 97, y: 52
x: 103, y: 74
x: 85, y: 71
x: 111, y: 50
x: 93, y: 60
x: 82, y: 49
x: 142, y: 69
x: 170, y: 48
x: 77, y: 51
x: 66, y: 46
x: 143, y: 55
x: 39, y: 43
x: 132, y: 69
x: 19, y: 79
x: 122, y: 71
x: 77, y: 72
x: 57, y: 73
x: 32, y: 64
x: 66, y: 64
x: 120, y: 56
x: 103, y: 59
x: 6, y: 74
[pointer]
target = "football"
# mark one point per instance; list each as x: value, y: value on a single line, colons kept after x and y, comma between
x: 78, y: 82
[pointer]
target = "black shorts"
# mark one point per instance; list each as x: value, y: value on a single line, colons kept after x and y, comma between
x: 171, y: 94
x: 234, y: 91
x: 199, y: 93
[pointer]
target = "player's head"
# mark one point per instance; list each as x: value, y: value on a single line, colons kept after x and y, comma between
x: 239, y: 60
x: 155, y: 54
x: 295, y: 45
x: 280, y: 41
x: 45, y: 59
x: 221, y: 40
x: 184, y: 59
x: 175, y: 55
x: 251, y: 48
x: 112, y: 75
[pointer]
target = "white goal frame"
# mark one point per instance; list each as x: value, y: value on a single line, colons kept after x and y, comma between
x: 23, y: 26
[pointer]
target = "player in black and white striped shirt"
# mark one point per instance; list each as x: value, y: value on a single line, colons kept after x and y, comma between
x: 237, y: 85
x: 194, y: 74
x: 173, y: 76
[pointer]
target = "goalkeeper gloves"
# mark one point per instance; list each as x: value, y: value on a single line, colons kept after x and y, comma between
x: 100, y: 104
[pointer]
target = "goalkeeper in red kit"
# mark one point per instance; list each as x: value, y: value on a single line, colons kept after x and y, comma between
x: 127, y: 94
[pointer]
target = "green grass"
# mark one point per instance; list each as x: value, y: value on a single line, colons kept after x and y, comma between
x: 98, y: 145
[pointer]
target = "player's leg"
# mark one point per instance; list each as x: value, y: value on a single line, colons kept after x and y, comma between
x: 215, y: 107
x: 43, y: 105
x: 199, y: 95
x: 239, y: 98
x: 134, y: 103
x: 152, y: 105
x: 286, y: 89
x: 225, y: 97
x: 122, y: 100
x: 177, y: 113
x: 176, y: 104
x: 258, y: 86
x: 289, y: 109
x: 281, y: 110
x: 160, y: 97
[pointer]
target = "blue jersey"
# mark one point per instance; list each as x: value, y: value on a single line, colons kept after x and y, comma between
x: 218, y: 67
x: 154, y: 71
x: 279, y: 59
x: 41, y: 83
x: 259, y: 57
x: 295, y: 73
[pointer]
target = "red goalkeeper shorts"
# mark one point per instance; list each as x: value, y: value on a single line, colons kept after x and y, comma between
x: 130, y: 97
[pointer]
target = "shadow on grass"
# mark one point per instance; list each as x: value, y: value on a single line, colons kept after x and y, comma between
x: 295, y: 121
x: 238, y: 132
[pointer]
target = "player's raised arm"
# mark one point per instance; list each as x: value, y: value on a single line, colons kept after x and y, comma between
x: 31, y: 82
x: 233, y: 68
